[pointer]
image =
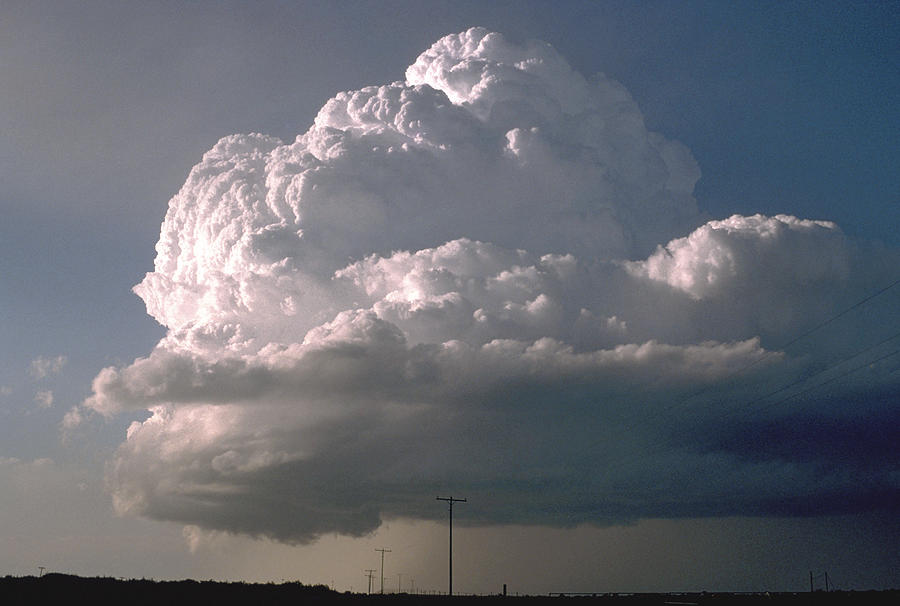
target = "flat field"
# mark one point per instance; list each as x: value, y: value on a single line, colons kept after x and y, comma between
x: 66, y: 589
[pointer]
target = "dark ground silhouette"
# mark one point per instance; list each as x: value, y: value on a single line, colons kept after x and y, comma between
x: 64, y: 589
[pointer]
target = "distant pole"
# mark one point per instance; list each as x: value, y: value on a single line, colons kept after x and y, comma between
x: 399, y: 582
x: 451, y: 501
x: 382, y: 550
x: 42, y: 568
x: 810, y: 581
x: 370, y: 572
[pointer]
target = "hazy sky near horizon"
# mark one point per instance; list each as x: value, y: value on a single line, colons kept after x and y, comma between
x: 557, y: 269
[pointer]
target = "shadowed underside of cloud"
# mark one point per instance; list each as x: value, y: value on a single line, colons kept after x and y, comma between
x: 478, y: 280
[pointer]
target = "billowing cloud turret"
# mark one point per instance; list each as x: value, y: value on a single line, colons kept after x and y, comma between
x: 476, y: 279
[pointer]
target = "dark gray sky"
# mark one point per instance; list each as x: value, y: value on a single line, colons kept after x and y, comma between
x: 787, y: 107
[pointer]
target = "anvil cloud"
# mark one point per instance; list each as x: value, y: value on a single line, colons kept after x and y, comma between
x: 488, y: 278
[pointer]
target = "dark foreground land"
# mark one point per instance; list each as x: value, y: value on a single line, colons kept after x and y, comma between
x: 66, y: 589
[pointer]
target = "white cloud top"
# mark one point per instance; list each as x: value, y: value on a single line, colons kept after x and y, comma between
x: 719, y: 254
x: 450, y: 283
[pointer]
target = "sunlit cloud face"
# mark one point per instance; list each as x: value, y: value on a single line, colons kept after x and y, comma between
x: 489, y: 278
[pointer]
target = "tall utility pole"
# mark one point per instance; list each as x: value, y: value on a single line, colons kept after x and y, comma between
x: 370, y: 573
x: 813, y: 578
x: 382, y: 550
x: 451, y: 501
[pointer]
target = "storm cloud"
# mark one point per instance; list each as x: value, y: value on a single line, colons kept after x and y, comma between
x: 491, y: 278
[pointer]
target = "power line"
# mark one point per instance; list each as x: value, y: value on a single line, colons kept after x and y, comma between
x: 842, y: 313
x: 652, y: 414
x: 382, y: 550
x: 451, y: 501
x: 833, y: 379
x: 814, y: 375
x: 652, y: 451
x: 816, y: 577
x: 815, y: 328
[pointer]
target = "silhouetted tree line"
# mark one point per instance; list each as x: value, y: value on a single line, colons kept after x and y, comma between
x: 62, y: 589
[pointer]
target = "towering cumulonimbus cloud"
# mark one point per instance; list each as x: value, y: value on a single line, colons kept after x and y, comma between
x: 478, y: 279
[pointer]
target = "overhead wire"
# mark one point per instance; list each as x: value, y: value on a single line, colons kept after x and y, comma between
x: 800, y: 381
x: 614, y: 468
x: 742, y: 409
x: 680, y: 402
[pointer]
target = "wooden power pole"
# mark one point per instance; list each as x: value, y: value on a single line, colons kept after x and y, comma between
x: 451, y: 501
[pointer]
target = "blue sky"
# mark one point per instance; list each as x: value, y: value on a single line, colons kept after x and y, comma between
x: 786, y: 107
